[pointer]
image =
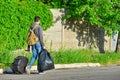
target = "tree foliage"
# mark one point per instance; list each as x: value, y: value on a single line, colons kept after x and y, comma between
x: 102, y: 13
x: 90, y: 19
x: 16, y: 17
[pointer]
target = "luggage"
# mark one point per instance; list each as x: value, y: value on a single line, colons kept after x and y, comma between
x: 45, y: 61
x: 19, y: 65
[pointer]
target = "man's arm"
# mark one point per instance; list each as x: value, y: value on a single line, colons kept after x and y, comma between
x: 41, y: 36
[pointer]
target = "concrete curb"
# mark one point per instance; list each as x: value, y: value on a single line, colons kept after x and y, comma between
x: 76, y: 65
x: 60, y: 66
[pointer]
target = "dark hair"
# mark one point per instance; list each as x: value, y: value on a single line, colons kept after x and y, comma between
x: 37, y: 18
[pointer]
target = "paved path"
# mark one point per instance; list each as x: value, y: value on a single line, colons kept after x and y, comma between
x: 88, y: 73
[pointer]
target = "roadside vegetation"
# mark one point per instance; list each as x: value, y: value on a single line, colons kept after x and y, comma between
x: 69, y: 56
x: 85, y: 56
x: 15, y: 19
x: 17, y: 15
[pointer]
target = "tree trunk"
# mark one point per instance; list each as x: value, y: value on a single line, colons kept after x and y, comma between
x: 118, y: 43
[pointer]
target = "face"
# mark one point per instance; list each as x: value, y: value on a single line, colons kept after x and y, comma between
x: 38, y: 22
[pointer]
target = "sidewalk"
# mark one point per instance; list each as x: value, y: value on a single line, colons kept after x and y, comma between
x: 60, y: 66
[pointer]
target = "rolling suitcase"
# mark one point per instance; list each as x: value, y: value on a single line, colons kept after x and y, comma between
x: 19, y: 64
x: 45, y: 61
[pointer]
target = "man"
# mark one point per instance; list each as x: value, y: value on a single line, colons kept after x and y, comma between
x: 36, y: 48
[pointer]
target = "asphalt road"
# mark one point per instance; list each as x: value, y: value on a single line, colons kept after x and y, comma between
x: 96, y: 73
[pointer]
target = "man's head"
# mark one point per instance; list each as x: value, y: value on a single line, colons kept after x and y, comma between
x: 37, y: 19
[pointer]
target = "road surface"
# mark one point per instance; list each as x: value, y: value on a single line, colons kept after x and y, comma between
x: 95, y: 73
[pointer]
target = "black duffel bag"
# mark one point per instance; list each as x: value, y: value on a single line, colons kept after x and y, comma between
x: 45, y: 61
x: 19, y: 64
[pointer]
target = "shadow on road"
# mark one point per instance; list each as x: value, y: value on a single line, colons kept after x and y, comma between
x: 9, y: 71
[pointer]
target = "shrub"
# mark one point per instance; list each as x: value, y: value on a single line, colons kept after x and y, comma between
x: 16, y: 17
x: 6, y: 59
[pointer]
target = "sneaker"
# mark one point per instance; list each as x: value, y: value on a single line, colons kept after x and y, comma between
x: 42, y: 73
x: 28, y: 69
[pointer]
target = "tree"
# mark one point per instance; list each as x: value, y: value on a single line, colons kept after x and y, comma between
x: 92, y: 18
x: 102, y: 13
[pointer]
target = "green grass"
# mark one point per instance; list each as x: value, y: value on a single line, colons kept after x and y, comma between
x: 68, y: 57
x: 85, y: 56
x: 5, y: 58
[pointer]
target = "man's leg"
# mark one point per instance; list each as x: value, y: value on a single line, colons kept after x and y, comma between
x: 34, y: 56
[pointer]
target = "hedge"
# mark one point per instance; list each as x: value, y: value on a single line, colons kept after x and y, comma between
x: 16, y: 17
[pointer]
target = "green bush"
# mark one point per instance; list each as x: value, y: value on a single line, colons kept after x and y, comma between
x: 16, y: 17
x: 5, y: 59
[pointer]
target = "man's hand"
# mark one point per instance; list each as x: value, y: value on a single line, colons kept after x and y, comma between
x: 28, y: 50
x: 44, y: 47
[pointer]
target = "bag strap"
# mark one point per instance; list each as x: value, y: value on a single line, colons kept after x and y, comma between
x: 34, y: 27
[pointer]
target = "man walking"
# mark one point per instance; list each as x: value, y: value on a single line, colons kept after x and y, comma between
x: 37, y: 47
